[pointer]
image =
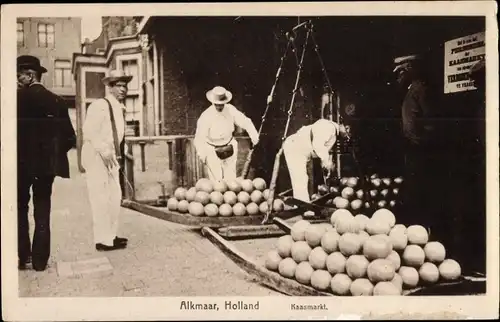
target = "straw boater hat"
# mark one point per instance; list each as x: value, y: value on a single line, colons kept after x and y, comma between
x: 30, y: 62
x: 404, y: 62
x: 115, y: 76
x: 219, y: 95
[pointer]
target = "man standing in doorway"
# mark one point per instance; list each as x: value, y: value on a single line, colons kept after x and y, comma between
x: 44, y: 136
x: 416, y: 113
x: 103, y: 132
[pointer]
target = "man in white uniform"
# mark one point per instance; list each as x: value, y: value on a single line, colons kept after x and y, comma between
x: 214, y: 141
x: 311, y: 141
x: 100, y: 159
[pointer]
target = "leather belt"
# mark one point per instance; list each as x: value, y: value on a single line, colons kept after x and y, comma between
x: 220, y: 146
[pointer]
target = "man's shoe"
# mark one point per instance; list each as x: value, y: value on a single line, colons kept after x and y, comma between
x: 39, y: 267
x: 101, y: 247
x: 22, y: 265
x: 120, y: 240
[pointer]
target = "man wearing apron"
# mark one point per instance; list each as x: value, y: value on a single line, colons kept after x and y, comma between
x: 100, y: 153
x: 311, y: 141
x: 214, y: 141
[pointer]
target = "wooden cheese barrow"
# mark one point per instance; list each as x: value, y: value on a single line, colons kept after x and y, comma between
x: 464, y: 286
x: 233, y: 227
x: 187, y: 219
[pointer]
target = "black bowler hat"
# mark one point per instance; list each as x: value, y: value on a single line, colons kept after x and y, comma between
x: 31, y: 62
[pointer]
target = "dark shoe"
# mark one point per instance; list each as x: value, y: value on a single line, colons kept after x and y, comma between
x: 22, y: 264
x: 39, y: 267
x: 120, y: 240
x: 101, y: 247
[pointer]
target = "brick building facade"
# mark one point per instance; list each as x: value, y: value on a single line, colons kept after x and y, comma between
x: 53, y: 41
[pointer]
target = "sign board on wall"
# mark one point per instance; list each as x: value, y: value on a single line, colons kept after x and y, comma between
x: 459, y: 56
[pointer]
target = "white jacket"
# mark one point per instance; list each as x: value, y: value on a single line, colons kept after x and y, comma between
x: 324, y: 133
x: 97, y: 130
x: 216, y: 128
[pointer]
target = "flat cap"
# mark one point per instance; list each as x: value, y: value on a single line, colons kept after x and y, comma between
x: 403, y: 62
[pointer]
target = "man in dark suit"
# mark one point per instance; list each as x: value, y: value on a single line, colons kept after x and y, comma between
x: 44, y: 136
x: 417, y: 115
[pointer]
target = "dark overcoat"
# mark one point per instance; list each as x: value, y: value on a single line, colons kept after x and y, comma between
x: 44, y: 132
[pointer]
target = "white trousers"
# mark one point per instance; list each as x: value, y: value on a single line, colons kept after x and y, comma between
x: 296, y: 160
x: 104, y: 192
x: 218, y: 169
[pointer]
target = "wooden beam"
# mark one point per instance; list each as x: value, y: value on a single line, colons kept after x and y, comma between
x: 152, y: 139
x: 283, y: 225
x: 129, y: 177
x: 203, y: 221
x: 260, y: 231
x: 261, y: 274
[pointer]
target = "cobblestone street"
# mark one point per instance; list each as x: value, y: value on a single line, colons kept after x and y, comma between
x: 162, y: 258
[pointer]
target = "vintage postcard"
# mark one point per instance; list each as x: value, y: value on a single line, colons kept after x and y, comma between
x: 215, y: 161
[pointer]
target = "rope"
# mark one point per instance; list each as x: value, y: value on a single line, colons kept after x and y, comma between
x: 294, y: 93
x: 279, y: 72
x: 274, y: 177
x: 339, y: 117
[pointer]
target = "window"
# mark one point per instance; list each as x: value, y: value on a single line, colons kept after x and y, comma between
x: 130, y: 68
x: 133, y: 109
x: 62, y: 73
x: 94, y: 88
x: 20, y: 34
x: 46, y: 35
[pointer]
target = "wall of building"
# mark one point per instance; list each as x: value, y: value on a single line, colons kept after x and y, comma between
x: 244, y: 55
x: 66, y: 42
x: 221, y: 57
x: 94, y: 46
x: 241, y: 56
x: 118, y: 26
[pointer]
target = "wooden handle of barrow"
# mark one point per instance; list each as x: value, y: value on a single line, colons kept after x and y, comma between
x: 272, y: 184
x: 283, y: 225
x: 246, y: 166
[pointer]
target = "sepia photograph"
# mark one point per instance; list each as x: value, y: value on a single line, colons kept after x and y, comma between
x: 228, y: 159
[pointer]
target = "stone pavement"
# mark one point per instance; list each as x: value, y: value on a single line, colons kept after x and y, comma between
x: 162, y: 259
